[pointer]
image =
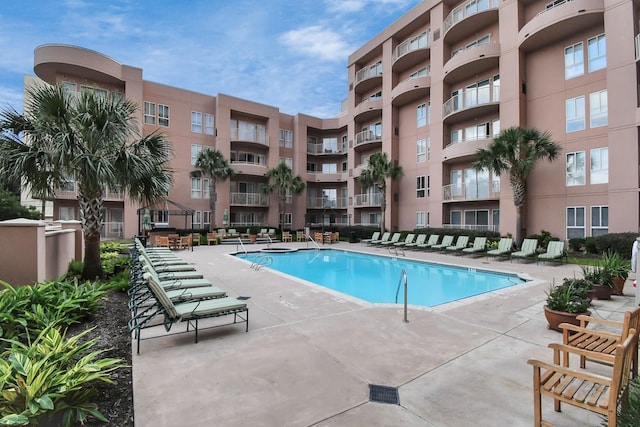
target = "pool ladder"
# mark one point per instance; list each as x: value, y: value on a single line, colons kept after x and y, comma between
x: 261, y: 261
x: 403, y: 278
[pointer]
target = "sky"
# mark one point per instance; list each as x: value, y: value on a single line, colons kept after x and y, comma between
x: 291, y: 54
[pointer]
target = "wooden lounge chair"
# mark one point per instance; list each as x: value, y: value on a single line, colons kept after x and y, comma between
x: 190, y: 312
x: 479, y: 246
x: 385, y: 238
x: 504, y: 248
x: 596, y: 393
x: 446, y: 242
x: 419, y: 241
x: 461, y: 244
x: 599, y: 340
x: 528, y: 250
x: 433, y: 240
x: 374, y: 236
x: 394, y: 239
x: 555, y: 252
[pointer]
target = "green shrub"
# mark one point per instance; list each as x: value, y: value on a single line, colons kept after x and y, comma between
x: 118, y: 281
x: 590, y: 245
x: 577, y: 244
x: 616, y: 242
x: 570, y: 296
x: 629, y: 416
x: 543, y: 239
x: 52, y: 374
x: 75, y: 269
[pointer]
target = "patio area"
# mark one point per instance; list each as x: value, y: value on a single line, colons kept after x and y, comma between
x: 311, y: 353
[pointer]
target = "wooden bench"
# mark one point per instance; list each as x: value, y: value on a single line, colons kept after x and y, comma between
x: 596, y: 393
x: 599, y: 340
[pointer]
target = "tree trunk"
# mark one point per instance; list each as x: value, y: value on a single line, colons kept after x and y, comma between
x: 519, y: 188
x: 212, y: 205
x: 91, y: 217
x: 383, y: 209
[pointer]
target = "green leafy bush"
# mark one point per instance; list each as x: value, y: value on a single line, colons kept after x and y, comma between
x: 570, y: 296
x: 629, y: 415
x: 590, y: 245
x: 577, y: 244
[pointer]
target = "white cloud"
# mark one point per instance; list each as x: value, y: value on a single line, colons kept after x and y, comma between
x: 318, y: 42
x: 353, y: 6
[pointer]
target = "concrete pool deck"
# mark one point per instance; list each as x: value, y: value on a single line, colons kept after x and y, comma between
x: 310, y: 354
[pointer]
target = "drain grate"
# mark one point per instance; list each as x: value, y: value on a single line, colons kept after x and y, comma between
x: 384, y: 394
x: 242, y: 298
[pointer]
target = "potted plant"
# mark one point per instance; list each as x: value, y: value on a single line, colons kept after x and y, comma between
x: 617, y: 270
x: 599, y: 277
x: 566, y: 302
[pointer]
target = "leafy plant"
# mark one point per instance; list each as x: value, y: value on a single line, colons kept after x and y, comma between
x: 52, y: 374
x: 570, y: 296
x: 596, y: 275
x: 629, y: 415
x: 615, y: 265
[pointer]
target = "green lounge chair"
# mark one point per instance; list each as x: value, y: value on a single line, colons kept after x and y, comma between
x: 374, y: 236
x: 504, y: 248
x: 461, y: 244
x: 174, y: 275
x: 555, y: 251
x: 385, y: 237
x: 161, y: 267
x: 433, y: 240
x: 419, y: 241
x: 394, y: 239
x: 446, y: 242
x: 479, y: 246
x: 527, y: 251
x: 407, y: 240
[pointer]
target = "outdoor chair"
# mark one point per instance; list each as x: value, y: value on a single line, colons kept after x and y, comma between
x: 407, y: 240
x: 385, y: 237
x: 174, y: 275
x: 212, y: 238
x: 602, y: 341
x: 374, y: 236
x: 461, y: 244
x: 263, y: 232
x: 596, y: 393
x: 335, y: 237
x: 446, y: 242
x: 300, y: 237
x: 162, y: 241
x: 419, y: 241
x: 479, y: 246
x: 286, y: 236
x: 394, y: 239
x: 555, y: 252
x: 504, y: 248
x: 195, y: 239
x: 185, y: 242
x: 527, y: 251
x: 433, y: 240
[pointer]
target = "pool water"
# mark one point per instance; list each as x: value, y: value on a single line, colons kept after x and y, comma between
x: 375, y: 278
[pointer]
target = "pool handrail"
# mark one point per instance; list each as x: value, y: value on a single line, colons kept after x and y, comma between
x: 241, y: 244
x: 403, y: 277
x: 314, y: 242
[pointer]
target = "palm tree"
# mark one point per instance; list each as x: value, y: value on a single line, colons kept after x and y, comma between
x: 211, y: 163
x: 282, y: 180
x: 91, y: 139
x: 377, y: 172
x: 516, y: 150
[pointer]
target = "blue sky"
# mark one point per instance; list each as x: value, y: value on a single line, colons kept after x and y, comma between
x: 291, y: 54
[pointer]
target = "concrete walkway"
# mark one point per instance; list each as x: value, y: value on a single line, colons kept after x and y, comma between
x: 311, y: 354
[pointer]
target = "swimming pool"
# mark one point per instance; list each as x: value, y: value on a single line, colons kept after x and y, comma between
x: 375, y: 278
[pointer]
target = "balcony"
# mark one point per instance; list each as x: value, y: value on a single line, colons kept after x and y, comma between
x: 321, y: 149
x: 366, y: 137
x: 476, y: 14
x: 248, y: 168
x: 315, y: 176
x: 476, y: 60
x: 368, y: 78
x: 471, y: 103
x: 249, y: 135
x: 559, y: 21
x: 324, y: 203
x: 475, y: 227
x: 70, y: 192
x: 478, y: 191
x: 367, y: 200
x: 411, y: 52
x: 464, y: 150
x: 411, y: 89
x: 249, y: 199
x: 112, y: 230
x: 367, y: 110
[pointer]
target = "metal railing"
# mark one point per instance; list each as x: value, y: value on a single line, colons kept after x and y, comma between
x: 112, y: 230
x: 249, y: 135
x: 367, y: 136
x: 249, y: 199
x: 403, y: 278
x: 471, y: 192
x: 327, y: 149
x: 467, y: 9
x: 469, y: 98
x: 368, y: 72
x: 414, y: 43
x: 261, y: 261
x: 367, y: 200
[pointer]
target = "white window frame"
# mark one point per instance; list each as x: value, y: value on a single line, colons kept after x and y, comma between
x: 196, y: 188
x: 421, y: 150
x: 206, y: 219
x: 197, y: 219
x: 598, y: 109
x: 576, y: 172
x: 599, y: 165
x: 196, y: 149
x: 575, y: 114
x: 573, y: 221
x: 288, y: 138
x: 196, y: 121
x: 598, y: 47
x: 163, y: 115
x: 599, y: 223
x: 421, y: 187
x: 70, y: 87
x: 209, y: 124
x: 205, y: 188
x: 573, y: 61
x: 149, y: 113
x: 420, y: 219
x: 421, y: 115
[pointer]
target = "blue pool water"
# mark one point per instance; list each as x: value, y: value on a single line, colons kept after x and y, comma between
x: 375, y: 278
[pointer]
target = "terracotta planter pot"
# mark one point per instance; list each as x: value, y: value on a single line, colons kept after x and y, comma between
x: 618, y: 285
x: 555, y: 318
x: 602, y: 292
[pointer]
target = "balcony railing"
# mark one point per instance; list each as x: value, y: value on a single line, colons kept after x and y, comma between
x: 553, y: 5
x: 467, y: 9
x: 249, y: 135
x: 367, y: 200
x: 368, y: 72
x: 71, y: 192
x: 420, y: 42
x: 112, y: 230
x: 475, y: 227
x: 246, y: 162
x: 470, y: 98
x: 323, y: 203
x: 249, y: 199
x: 366, y: 136
x: 327, y: 149
x: 476, y: 191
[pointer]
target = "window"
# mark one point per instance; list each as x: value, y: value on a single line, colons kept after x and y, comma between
x: 429, y: 112
x: 117, y: 96
x: 598, y: 109
x: 456, y: 136
x: 205, y: 188
x: 420, y: 219
x: 575, y: 222
x: 422, y: 72
x: 206, y: 217
x: 196, y: 188
x: 421, y: 115
x: 288, y: 139
x: 421, y: 187
x: 281, y: 138
x: 428, y: 148
x: 287, y: 161
x: 575, y: 168
x: 455, y: 217
x: 599, y: 165
x: 195, y: 152
x: 597, y: 53
x: 329, y: 168
x: 421, y: 150
x: 163, y: 115
x: 69, y: 87
x: 575, y: 114
x: 196, y: 121
x: 67, y: 213
x: 428, y: 185
x: 478, y: 220
x: 456, y: 183
x: 573, y: 61
x: 208, y: 124
x: 197, y: 219
x: 163, y: 217
x: 149, y: 113
x: 599, y: 220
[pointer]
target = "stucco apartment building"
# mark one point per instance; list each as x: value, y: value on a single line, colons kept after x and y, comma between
x: 429, y: 90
